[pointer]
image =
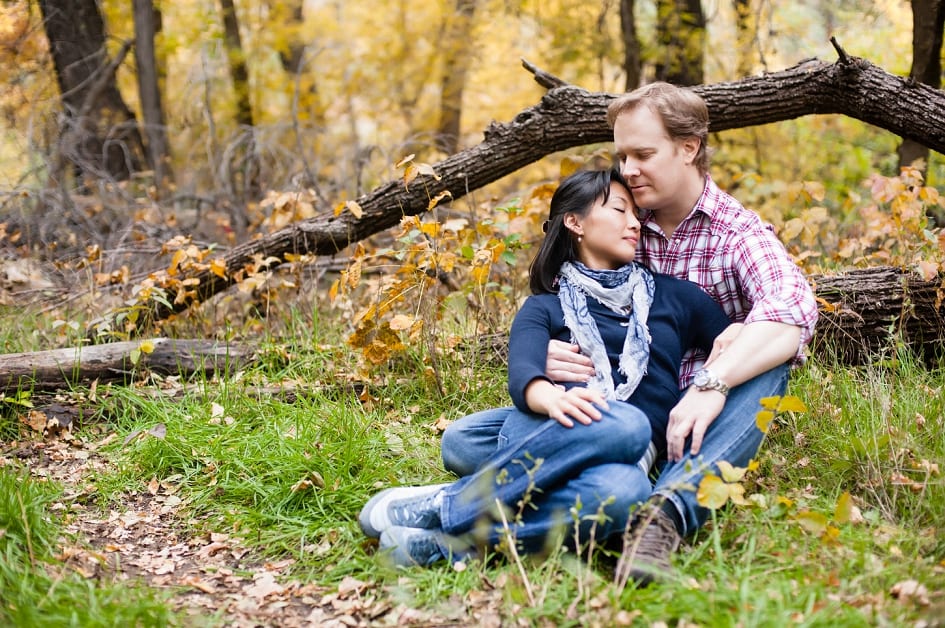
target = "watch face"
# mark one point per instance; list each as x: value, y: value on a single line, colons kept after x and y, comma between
x: 701, y: 378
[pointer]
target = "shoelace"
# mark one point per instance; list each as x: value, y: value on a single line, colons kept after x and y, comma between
x: 416, y: 513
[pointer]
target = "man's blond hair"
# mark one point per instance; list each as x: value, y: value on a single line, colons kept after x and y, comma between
x: 683, y: 112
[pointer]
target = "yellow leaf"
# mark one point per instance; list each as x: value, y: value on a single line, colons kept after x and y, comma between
x: 432, y: 229
x: 763, y: 420
x: 354, y: 208
x: 218, y: 267
x: 439, y: 197
x: 713, y: 492
x: 410, y: 173
x: 405, y: 160
x: 731, y: 473
x: 791, y: 229
x: 791, y: 403
x: 401, y: 322
x: 176, y: 259
x: 770, y: 403
x: 843, y: 509
x: 813, y: 522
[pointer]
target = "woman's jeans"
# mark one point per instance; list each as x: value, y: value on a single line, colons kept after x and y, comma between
x: 733, y: 437
x: 549, y: 477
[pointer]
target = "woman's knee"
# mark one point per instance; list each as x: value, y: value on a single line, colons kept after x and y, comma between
x: 628, y: 426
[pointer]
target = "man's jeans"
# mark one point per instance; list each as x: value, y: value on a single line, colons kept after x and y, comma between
x: 733, y: 437
x: 549, y: 477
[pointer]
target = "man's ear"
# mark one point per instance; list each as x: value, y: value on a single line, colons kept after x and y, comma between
x: 690, y: 147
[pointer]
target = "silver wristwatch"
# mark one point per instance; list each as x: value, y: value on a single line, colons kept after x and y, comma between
x: 704, y: 379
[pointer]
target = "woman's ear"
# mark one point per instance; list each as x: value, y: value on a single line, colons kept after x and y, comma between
x: 572, y: 223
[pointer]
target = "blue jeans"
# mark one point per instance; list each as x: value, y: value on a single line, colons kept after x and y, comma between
x: 555, y: 469
x: 733, y: 437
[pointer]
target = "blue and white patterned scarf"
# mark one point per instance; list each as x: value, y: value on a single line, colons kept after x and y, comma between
x: 627, y: 290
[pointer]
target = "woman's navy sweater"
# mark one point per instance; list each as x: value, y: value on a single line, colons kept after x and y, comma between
x: 681, y: 317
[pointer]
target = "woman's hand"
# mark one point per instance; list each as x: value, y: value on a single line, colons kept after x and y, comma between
x: 566, y: 363
x: 565, y: 406
x: 722, y: 341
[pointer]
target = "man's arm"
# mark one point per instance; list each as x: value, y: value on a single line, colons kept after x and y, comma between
x: 757, y: 348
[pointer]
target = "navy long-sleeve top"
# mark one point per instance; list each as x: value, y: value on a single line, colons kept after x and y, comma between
x: 681, y: 317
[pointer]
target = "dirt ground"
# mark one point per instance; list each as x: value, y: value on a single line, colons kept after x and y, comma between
x: 211, y: 578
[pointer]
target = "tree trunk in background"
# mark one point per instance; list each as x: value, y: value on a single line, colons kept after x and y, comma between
x: 745, y: 26
x: 632, y: 55
x: 456, y: 57
x: 100, y: 136
x: 680, y: 34
x: 242, y: 165
x: 147, y: 22
x: 928, y: 23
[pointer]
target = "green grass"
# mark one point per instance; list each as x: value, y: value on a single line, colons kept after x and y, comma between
x: 288, y: 475
x: 36, y: 589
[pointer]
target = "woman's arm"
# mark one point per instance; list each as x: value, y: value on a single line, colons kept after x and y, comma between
x: 577, y: 403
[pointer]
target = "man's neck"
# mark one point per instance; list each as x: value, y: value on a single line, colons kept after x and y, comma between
x: 670, y: 217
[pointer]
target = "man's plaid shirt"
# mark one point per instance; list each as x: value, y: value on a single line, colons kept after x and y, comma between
x: 737, y: 259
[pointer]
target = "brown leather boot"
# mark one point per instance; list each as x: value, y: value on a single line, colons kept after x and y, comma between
x: 647, y: 549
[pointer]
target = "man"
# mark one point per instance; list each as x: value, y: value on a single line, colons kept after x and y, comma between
x: 692, y: 230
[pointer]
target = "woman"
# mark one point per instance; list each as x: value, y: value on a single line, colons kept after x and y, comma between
x: 583, y: 468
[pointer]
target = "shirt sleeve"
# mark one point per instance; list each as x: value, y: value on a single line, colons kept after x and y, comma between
x: 775, y: 285
x: 528, y: 348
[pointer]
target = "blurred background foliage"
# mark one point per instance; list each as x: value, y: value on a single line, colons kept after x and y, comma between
x: 276, y: 111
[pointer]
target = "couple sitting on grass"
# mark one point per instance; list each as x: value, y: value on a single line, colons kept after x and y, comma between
x: 573, y: 458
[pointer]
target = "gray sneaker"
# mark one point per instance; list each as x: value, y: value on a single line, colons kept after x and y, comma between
x: 410, y: 506
x: 409, y: 547
x: 647, y: 550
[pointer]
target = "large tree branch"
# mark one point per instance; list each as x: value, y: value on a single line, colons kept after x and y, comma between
x: 568, y: 116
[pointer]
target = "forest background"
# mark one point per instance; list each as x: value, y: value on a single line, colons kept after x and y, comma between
x: 126, y: 167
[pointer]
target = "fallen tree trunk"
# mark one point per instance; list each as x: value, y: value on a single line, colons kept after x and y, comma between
x: 868, y: 313
x: 118, y: 362
x: 569, y: 116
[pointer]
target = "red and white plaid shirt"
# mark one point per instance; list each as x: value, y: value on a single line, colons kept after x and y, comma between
x: 738, y: 260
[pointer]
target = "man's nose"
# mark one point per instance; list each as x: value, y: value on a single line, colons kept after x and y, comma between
x: 629, y: 168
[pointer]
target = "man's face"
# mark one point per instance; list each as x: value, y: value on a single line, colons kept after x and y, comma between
x: 653, y: 165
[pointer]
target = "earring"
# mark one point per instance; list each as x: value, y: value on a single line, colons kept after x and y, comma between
x: 580, y: 238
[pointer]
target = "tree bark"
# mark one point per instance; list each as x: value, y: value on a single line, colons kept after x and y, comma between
x: 632, y: 54
x: 456, y: 57
x: 680, y: 34
x: 243, y: 164
x: 100, y: 137
x: 568, y: 116
x: 146, y: 19
x: 928, y: 24
x: 61, y: 368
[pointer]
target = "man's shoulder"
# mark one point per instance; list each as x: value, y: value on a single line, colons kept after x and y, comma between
x: 729, y: 215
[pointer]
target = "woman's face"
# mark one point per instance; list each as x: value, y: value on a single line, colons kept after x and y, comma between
x: 609, y: 232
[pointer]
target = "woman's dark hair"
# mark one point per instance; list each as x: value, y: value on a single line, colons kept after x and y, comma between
x: 575, y: 195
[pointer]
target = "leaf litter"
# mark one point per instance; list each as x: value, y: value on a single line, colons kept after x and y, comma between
x: 146, y: 541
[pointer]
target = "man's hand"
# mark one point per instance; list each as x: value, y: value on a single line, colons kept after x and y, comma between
x: 693, y: 415
x: 565, y: 363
